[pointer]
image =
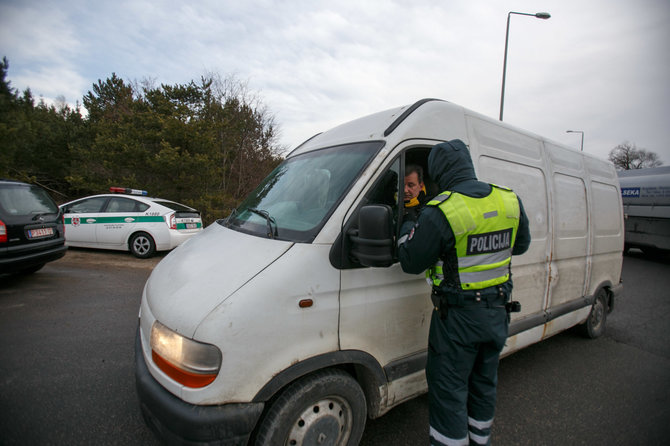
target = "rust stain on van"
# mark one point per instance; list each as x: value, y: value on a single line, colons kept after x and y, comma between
x: 546, y: 328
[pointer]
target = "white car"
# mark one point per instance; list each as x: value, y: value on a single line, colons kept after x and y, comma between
x: 129, y: 220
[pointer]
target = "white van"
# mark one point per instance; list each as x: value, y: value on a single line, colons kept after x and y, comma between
x: 290, y: 321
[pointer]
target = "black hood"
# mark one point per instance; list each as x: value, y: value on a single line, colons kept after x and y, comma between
x: 450, y: 164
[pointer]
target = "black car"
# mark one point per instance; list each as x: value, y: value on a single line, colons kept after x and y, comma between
x: 31, y: 228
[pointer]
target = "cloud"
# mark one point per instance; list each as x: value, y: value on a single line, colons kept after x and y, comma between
x: 600, y: 66
x: 44, y: 48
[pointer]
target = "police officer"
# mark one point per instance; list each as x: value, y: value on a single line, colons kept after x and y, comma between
x: 465, y: 238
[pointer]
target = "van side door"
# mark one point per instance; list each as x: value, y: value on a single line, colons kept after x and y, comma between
x: 570, y: 263
x: 511, y: 158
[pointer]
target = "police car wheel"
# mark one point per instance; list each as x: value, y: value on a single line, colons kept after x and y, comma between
x: 325, y: 408
x: 142, y: 245
x: 595, y: 324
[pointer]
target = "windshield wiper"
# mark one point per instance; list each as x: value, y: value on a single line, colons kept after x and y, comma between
x: 227, y: 222
x: 233, y: 213
x: 269, y: 220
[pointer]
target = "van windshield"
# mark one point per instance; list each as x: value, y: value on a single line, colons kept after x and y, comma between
x: 296, y: 199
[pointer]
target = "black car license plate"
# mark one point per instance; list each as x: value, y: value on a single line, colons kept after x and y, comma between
x: 40, y: 233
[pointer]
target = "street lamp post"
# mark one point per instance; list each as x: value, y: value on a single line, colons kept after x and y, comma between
x: 539, y: 15
x: 577, y: 131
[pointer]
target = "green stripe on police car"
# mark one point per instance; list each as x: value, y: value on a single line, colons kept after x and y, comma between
x: 122, y: 219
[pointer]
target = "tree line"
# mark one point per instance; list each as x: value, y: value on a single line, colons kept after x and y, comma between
x: 206, y: 144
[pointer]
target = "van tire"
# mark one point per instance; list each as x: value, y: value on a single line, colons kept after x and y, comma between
x: 594, y: 326
x: 142, y: 245
x: 327, y: 407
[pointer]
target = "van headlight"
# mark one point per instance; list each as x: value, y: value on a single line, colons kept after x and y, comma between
x: 190, y: 363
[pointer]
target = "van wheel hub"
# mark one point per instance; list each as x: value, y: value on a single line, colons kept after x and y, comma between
x: 598, y: 312
x: 324, y: 423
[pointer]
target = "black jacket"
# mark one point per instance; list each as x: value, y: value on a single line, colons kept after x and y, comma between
x: 430, y: 238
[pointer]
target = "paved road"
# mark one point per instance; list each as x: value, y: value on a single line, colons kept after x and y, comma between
x: 568, y: 390
x: 66, y: 366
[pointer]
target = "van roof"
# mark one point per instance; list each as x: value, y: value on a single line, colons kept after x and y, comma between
x: 427, y: 119
x: 375, y: 127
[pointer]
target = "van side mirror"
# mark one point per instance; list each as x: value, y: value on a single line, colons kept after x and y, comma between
x: 373, y: 241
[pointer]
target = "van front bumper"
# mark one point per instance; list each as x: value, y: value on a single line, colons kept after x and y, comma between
x: 178, y: 422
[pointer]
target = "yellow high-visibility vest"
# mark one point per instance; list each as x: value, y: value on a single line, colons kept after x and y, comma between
x: 485, y: 231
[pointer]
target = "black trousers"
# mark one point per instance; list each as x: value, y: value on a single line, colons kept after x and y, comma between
x: 462, y: 371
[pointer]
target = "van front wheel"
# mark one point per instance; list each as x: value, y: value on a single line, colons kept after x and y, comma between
x: 595, y: 324
x: 325, y: 408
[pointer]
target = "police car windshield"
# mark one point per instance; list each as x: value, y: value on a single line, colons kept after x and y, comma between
x: 302, y: 192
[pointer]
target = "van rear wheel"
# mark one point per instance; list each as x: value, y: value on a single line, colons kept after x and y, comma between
x: 327, y: 408
x: 595, y: 324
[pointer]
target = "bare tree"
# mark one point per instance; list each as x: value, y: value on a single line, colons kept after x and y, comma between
x: 627, y: 156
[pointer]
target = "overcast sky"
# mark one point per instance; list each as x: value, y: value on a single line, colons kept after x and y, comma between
x: 598, y: 66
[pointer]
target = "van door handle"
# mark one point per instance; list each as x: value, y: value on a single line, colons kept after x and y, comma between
x: 90, y: 220
x: 129, y: 219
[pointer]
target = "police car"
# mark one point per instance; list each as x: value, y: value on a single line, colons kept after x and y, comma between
x: 127, y: 219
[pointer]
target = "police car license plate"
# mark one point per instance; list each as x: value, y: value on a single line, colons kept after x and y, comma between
x: 191, y: 226
x: 41, y: 232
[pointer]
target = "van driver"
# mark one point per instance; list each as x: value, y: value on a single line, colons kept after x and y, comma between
x: 415, y: 191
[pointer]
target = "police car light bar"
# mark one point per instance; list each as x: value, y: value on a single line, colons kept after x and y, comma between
x: 125, y: 190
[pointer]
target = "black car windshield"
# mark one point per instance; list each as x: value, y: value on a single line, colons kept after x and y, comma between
x: 25, y: 200
x: 296, y: 199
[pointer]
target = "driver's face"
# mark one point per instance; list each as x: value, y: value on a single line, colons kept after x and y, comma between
x: 412, y: 186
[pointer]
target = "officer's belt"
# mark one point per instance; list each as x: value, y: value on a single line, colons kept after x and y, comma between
x: 489, y: 298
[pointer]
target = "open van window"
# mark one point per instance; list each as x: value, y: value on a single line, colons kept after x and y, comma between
x: 295, y: 200
x: 386, y: 191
